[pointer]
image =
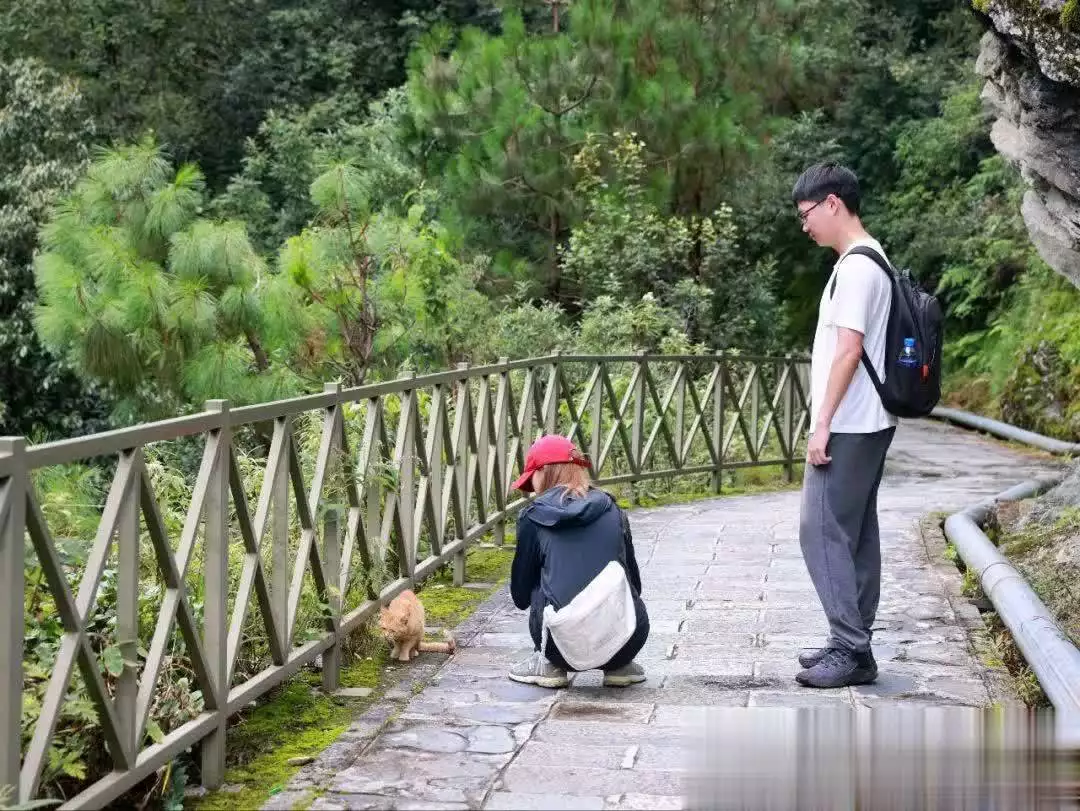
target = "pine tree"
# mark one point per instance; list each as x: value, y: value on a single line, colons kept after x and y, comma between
x: 139, y: 292
x: 699, y: 82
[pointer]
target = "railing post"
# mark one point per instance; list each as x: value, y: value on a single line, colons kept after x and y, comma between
x: 406, y: 497
x: 279, y: 538
x: 789, y: 417
x: 527, y: 414
x: 434, y: 449
x: 215, y: 608
x: 718, y: 420
x: 551, y: 399
x: 13, y: 484
x: 755, y: 409
x: 372, y: 498
x: 637, y: 428
x: 331, y: 658
x: 127, y: 608
x: 461, y: 471
x: 596, y: 443
x: 481, y: 424
x: 680, y: 412
x: 502, y: 440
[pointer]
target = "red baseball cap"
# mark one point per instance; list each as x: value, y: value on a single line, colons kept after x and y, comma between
x: 548, y: 450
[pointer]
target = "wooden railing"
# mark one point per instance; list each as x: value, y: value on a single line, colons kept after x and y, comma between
x: 407, y: 473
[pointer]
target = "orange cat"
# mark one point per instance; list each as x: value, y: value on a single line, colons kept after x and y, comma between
x: 402, y: 623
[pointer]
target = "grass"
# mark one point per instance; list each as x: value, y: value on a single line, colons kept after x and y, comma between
x: 1048, y: 556
x: 448, y: 605
x: 1041, y: 553
x: 738, y: 482
x: 296, y: 720
x: 995, y: 645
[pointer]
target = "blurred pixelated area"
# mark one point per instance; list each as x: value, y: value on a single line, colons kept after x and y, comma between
x: 885, y: 759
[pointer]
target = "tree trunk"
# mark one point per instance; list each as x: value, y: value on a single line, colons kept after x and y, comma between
x: 555, y: 277
x: 262, y: 361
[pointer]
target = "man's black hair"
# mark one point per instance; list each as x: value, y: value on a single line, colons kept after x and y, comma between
x: 823, y: 179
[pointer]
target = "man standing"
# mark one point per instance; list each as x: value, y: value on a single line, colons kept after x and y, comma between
x: 850, y: 431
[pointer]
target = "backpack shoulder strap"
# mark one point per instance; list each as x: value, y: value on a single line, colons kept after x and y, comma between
x: 870, y: 253
x: 865, y: 250
x: 881, y: 262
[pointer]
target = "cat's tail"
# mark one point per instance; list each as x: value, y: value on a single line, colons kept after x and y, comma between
x: 449, y: 646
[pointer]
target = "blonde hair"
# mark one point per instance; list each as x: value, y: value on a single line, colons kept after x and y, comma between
x: 574, y: 478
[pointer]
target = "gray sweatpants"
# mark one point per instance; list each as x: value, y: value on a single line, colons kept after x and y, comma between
x: 838, y: 532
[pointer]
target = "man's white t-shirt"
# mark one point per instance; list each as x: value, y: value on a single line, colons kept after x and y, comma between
x: 861, y: 302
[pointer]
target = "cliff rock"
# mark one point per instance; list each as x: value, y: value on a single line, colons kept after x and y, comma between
x: 1030, y: 58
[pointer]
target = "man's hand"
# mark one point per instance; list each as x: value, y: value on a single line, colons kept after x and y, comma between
x: 845, y: 362
x: 815, y: 450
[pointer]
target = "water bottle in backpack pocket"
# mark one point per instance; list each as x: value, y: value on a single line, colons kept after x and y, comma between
x: 908, y: 357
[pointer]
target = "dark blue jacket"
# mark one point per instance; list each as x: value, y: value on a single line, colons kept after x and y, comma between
x: 563, y: 542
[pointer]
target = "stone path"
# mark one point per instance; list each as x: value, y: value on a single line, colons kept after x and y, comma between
x: 730, y: 604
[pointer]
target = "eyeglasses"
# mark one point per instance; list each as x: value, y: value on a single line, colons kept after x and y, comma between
x: 802, y: 215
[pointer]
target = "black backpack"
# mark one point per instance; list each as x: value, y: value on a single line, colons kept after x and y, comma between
x: 907, y: 391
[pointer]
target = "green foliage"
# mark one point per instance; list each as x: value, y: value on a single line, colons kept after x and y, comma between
x: 281, y: 162
x: 954, y: 216
x: 881, y: 68
x: 1070, y: 15
x: 374, y: 290
x: 44, y: 132
x: 529, y: 329
x: 168, y: 308
x: 158, y: 68
x: 141, y: 294
x: 1029, y: 355
x: 506, y: 114
x: 202, y: 80
x: 625, y: 248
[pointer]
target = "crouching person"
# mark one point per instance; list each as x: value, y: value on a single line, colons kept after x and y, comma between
x: 575, y: 571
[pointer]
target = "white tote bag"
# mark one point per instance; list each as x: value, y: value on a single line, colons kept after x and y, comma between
x: 594, y: 626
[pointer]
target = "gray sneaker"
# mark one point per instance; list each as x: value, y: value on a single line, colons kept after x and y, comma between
x: 813, y: 656
x: 840, y: 668
x: 539, y: 671
x: 624, y: 676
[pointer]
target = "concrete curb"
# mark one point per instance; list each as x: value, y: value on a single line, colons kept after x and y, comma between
x: 1049, y: 652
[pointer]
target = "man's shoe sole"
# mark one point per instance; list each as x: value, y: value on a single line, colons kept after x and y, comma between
x: 856, y: 678
x: 622, y: 681
x: 552, y: 682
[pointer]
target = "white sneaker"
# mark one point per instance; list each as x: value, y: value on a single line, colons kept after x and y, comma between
x: 624, y: 676
x: 539, y: 671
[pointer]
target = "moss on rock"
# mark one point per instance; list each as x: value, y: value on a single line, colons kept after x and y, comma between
x: 297, y: 720
x: 1039, y: 394
x: 1070, y: 16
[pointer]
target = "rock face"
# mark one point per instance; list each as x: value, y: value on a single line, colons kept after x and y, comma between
x: 1030, y: 58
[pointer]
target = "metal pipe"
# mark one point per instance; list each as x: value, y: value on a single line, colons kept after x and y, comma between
x: 1048, y: 651
x: 1005, y: 430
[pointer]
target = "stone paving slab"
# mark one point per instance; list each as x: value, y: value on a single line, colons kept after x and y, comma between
x: 731, y: 606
